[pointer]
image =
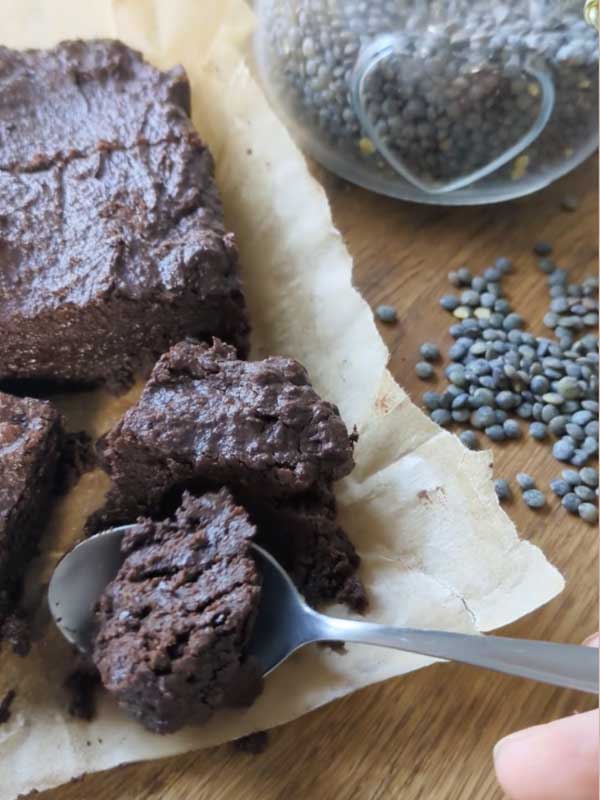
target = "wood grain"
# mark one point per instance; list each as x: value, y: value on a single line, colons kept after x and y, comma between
x: 430, y: 734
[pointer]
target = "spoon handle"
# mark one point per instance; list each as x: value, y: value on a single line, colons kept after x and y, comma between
x: 567, y: 665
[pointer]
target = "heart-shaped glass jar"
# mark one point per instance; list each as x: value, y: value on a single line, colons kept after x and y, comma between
x: 446, y: 112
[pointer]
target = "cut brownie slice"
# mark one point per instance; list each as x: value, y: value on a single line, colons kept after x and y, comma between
x: 206, y: 416
x: 31, y: 436
x: 112, y: 240
x: 173, y: 624
x: 206, y: 419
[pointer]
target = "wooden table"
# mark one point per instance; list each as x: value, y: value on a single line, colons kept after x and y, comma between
x: 428, y: 735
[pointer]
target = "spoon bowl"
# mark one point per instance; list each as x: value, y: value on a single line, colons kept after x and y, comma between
x: 78, y: 582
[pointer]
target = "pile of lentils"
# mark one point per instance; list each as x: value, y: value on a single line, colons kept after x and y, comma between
x: 502, y: 378
x: 459, y: 88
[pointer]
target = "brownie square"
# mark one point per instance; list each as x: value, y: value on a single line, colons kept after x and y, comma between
x: 174, y: 623
x: 206, y: 416
x: 112, y: 240
x: 31, y: 438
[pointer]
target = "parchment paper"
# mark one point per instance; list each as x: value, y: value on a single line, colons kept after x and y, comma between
x: 437, y: 549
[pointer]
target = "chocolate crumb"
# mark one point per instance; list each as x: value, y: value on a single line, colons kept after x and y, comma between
x: 337, y: 647
x: 15, y: 630
x: 82, y: 683
x: 254, y: 744
x: 5, y: 705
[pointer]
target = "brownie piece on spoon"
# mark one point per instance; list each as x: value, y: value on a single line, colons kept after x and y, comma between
x: 174, y: 623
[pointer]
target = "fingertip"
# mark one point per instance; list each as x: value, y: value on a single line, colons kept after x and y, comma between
x: 551, y: 762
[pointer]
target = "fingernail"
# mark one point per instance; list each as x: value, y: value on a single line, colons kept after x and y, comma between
x: 592, y: 641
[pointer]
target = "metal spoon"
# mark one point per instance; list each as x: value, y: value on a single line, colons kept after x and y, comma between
x: 285, y: 623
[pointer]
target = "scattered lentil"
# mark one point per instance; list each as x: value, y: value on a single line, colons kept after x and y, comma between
x: 546, y: 265
x: 525, y: 481
x: 462, y: 312
x: 456, y: 375
x: 568, y: 388
x: 569, y: 203
x: 579, y: 458
x: 461, y: 415
x: 585, y: 493
x: 512, y: 322
x: 512, y: 429
x: 542, y: 248
x: 504, y: 265
x: 424, y: 370
x: 560, y: 487
x: 502, y: 488
x: 571, y: 476
x: 589, y: 476
x: 534, y: 498
x: 538, y: 431
x: 588, y: 512
x: 387, y: 314
x: 469, y: 439
x: 563, y: 450
x: 495, y: 433
x: 449, y: 302
x: 431, y: 400
x: 591, y: 428
x: 552, y: 398
x: 571, y: 502
x: 483, y: 417
x: 557, y: 424
x: 469, y: 298
x: 582, y: 417
x: 590, y: 445
x: 441, y: 416
x: 460, y: 401
x: 429, y: 351
x: 574, y: 431
x: 506, y: 399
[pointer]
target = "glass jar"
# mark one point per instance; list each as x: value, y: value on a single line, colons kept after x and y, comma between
x: 451, y: 102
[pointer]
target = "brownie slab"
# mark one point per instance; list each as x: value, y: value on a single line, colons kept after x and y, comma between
x: 204, y: 415
x: 112, y: 240
x: 31, y: 436
x: 173, y: 624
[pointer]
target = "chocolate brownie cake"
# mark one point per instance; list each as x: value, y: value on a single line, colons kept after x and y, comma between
x: 30, y: 449
x: 112, y: 241
x: 173, y: 624
x: 206, y: 419
x: 206, y: 416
